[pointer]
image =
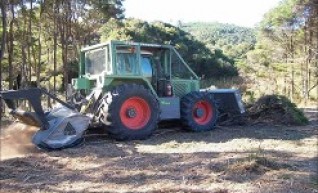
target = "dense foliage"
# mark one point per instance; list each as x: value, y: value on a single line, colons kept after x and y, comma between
x: 233, y: 40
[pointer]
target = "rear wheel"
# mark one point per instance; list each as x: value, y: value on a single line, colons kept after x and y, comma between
x: 130, y: 111
x: 198, y: 111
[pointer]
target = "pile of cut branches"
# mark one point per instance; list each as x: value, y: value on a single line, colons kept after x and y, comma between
x: 271, y: 110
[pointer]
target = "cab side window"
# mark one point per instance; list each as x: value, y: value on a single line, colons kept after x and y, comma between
x: 126, y: 63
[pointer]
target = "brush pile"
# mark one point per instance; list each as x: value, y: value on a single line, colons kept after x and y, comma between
x: 269, y: 110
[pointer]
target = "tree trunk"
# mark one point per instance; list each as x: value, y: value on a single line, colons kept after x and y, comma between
x: 24, y: 71
x: 292, y: 68
x: 38, y: 70
x: 3, y: 40
x: 68, y: 25
x: 10, y: 47
x: 24, y: 51
x: 30, y: 40
x: 4, y: 34
x: 304, y: 67
x: 23, y: 66
x: 55, y: 45
x: 63, y: 28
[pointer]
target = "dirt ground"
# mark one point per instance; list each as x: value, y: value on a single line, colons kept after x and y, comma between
x: 243, y: 159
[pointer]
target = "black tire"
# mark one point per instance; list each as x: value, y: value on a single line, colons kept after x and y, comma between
x: 198, y: 111
x: 130, y: 112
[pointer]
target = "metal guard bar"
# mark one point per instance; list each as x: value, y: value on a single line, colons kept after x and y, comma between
x: 33, y: 95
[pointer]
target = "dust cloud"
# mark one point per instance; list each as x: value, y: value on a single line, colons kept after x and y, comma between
x: 15, y: 141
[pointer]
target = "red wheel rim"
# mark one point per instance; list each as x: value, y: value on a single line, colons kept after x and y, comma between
x: 206, y: 113
x: 140, y: 110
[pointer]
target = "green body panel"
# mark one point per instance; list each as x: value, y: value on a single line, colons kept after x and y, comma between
x: 82, y: 64
x: 182, y: 87
x: 81, y: 83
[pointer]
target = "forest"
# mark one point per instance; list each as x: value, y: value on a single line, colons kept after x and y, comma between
x: 41, y: 39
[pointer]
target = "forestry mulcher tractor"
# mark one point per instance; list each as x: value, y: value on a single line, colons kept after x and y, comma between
x: 126, y: 88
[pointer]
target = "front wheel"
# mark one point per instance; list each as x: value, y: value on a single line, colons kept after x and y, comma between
x: 130, y: 112
x: 198, y: 111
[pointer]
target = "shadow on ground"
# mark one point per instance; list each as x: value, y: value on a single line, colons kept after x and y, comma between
x: 111, y: 166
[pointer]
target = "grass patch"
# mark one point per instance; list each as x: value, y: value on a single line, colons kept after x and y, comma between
x: 256, y: 163
x: 253, y: 164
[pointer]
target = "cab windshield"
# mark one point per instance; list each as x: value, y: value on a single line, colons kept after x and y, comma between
x: 95, y: 61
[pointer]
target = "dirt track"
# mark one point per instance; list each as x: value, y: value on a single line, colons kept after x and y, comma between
x: 228, y: 159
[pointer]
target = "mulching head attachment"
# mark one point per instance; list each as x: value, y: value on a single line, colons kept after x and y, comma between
x: 60, y: 128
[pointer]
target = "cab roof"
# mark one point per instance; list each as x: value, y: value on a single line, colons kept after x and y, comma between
x: 128, y: 43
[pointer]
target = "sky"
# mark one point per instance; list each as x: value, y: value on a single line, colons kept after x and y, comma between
x: 240, y: 12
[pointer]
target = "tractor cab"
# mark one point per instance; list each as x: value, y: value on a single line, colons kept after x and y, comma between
x: 158, y: 67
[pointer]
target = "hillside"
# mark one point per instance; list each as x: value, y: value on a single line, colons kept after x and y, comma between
x: 233, y: 40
